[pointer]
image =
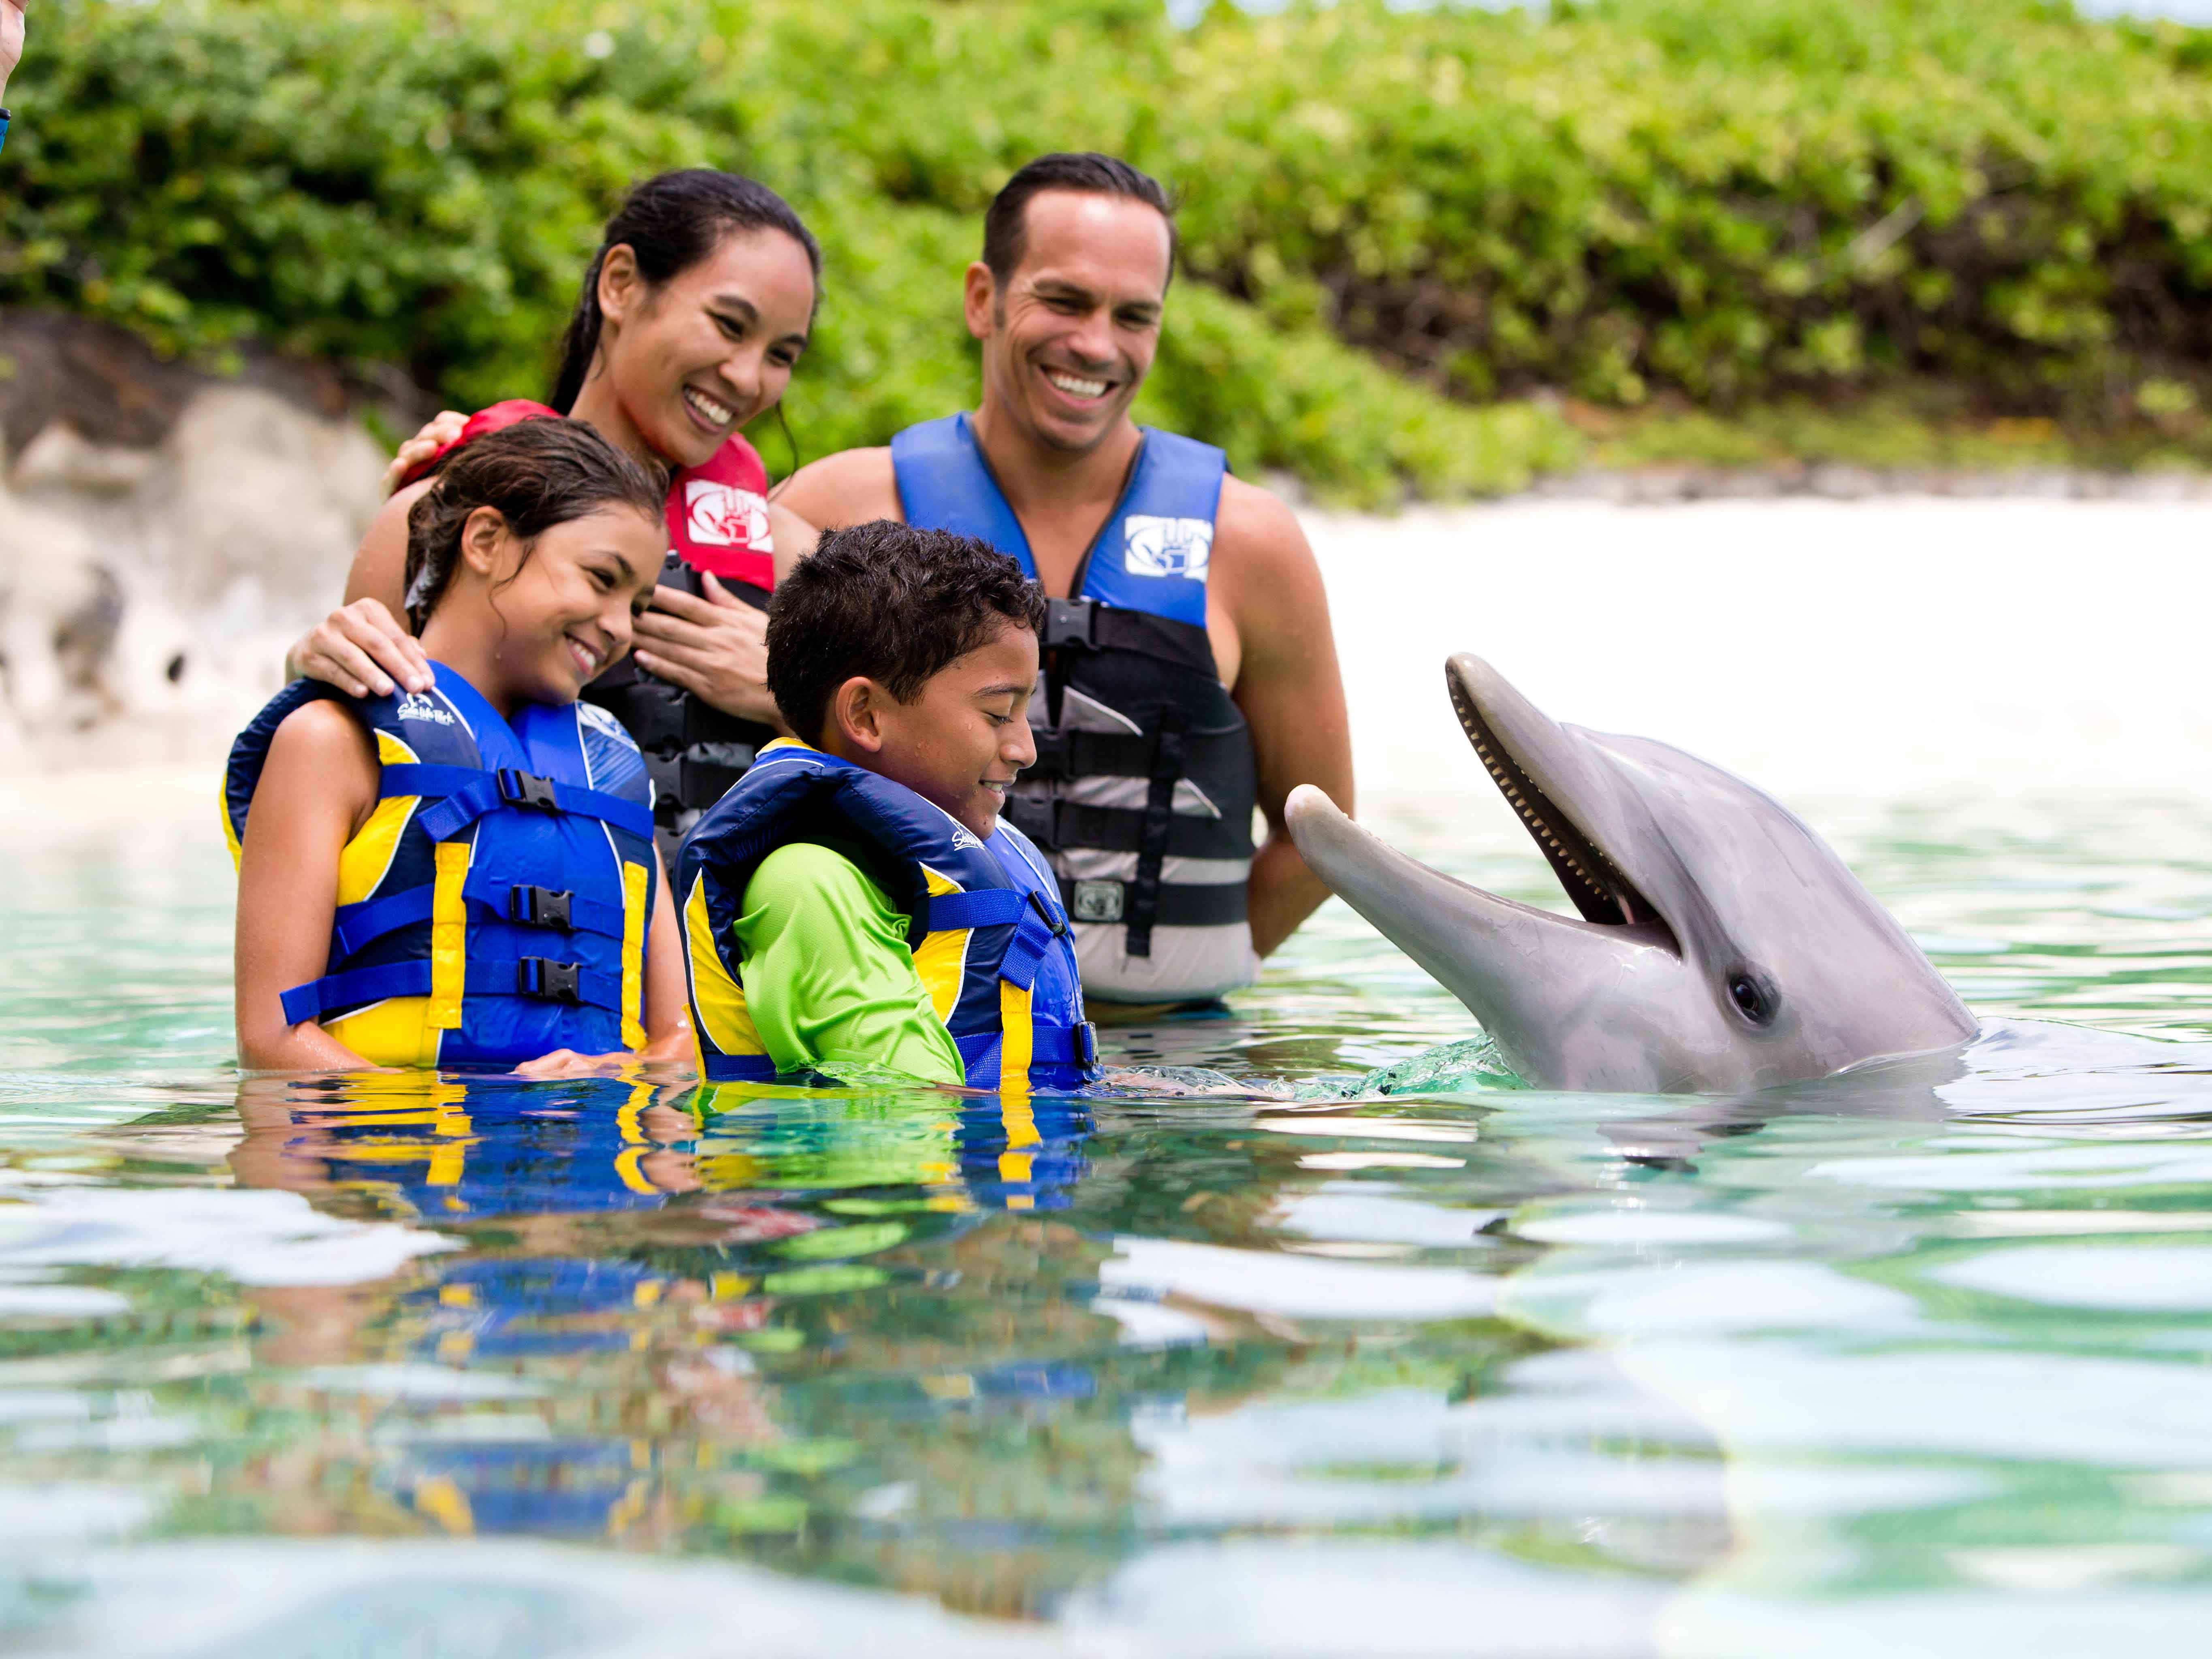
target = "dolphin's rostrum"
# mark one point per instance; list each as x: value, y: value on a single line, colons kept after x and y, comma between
x: 1723, y: 945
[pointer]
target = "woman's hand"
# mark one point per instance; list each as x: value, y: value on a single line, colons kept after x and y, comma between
x: 442, y: 428
x: 361, y: 649
x: 11, y: 41
x: 715, y: 647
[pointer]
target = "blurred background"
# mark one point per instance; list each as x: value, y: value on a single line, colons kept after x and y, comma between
x: 1645, y: 251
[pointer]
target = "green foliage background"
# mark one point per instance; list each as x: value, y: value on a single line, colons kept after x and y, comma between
x: 1390, y: 219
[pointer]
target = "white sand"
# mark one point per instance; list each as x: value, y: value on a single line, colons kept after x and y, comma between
x: 1829, y: 650
x: 1905, y: 646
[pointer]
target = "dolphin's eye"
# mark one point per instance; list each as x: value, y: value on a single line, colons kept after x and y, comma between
x: 1751, y: 998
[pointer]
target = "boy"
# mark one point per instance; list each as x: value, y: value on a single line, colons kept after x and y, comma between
x: 855, y: 898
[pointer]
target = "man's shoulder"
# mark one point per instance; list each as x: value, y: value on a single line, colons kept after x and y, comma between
x: 1254, y: 529
x: 851, y: 487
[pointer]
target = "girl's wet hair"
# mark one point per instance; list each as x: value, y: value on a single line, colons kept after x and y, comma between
x: 670, y: 222
x: 536, y: 474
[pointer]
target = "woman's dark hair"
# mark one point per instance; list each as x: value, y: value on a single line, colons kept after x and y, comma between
x: 537, y: 474
x: 670, y: 222
x: 1006, y: 227
x: 890, y: 602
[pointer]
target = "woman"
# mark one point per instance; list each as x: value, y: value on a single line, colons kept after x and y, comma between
x: 466, y: 875
x: 691, y: 318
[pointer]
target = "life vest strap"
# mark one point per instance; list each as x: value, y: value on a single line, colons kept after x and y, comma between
x: 989, y: 907
x: 542, y: 979
x: 469, y: 793
x: 1054, y: 824
x: 361, y: 925
x: 1065, y: 755
x: 1049, y: 1045
x: 1033, y: 938
x: 1177, y: 904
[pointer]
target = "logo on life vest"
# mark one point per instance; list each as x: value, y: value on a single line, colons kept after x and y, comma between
x: 722, y: 515
x: 416, y: 707
x: 1154, y: 546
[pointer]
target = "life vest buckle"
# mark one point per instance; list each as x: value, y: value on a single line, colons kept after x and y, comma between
x: 520, y: 789
x: 1071, y: 622
x: 1052, y: 754
x: 1058, y: 924
x: 1036, y: 817
x: 1099, y: 900
x: 539, y: 907
x: 549, y: 981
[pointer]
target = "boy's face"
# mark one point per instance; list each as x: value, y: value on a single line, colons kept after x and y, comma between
x: 963, y: 739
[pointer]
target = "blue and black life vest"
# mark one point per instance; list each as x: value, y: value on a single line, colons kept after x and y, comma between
x: 1144, y: 785
x: 495, y: 906
x: 990, y: 940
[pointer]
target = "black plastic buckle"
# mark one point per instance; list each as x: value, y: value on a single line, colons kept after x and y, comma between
x: 1069, y: 622
x: 539, y: 906
x: 549, y: 981
x: 1086, y: 1044
x: 1052, y: 754
x: 1058, y: 924
x: 1037, y: 818
x: 520, y: 789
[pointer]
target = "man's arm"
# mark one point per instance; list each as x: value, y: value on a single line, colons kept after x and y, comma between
x: 854, y: 486
x: 1288, y: 686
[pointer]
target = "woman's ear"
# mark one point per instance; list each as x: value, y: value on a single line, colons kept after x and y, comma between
x: 621, y: 283
x: 483, y: 539
x: 856, y: 714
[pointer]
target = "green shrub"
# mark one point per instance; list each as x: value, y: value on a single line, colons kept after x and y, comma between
x: 1725, y: 199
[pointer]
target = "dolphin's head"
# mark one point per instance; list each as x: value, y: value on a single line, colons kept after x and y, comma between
x: 1723, y: 945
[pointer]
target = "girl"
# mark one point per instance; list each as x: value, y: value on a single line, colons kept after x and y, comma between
x: 466, y: 874
x: 693, y: 314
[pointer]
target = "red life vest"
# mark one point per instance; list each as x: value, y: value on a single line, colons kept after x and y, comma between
x: 717, y: 511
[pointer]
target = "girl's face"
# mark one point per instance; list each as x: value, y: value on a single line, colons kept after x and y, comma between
x: 686, y: 364
x: 537, y: 623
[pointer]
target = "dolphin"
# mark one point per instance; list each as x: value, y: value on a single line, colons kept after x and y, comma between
x: 1723, y: 947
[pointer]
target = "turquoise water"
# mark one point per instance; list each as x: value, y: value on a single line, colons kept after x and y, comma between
x: 1919, y: 1364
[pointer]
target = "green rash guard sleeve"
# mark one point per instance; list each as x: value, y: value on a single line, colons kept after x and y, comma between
x: 827, y: 974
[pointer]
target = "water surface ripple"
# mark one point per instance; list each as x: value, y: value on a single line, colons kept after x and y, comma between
x: 1918, y: 1362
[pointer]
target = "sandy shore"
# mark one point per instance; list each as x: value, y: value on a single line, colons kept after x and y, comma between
x: 1829, y: 649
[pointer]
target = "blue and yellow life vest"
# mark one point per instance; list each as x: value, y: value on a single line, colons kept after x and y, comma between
x: 1142, y: 787
x: 990, y: 940
x: 495, y: 906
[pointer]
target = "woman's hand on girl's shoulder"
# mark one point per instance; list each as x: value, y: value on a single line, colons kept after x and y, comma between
x: 440, y: 429
x: 363, y: 649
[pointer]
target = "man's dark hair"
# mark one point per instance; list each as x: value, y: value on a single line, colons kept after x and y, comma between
x: 890, y: 602
x: 1005, y: 229
x: 536, y: 473
x: 670, y: 222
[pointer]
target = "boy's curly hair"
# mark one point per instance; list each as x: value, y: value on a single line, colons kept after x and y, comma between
x: 891, y: 603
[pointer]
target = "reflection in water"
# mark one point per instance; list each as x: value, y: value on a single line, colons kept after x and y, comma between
x: 1910, y: 1361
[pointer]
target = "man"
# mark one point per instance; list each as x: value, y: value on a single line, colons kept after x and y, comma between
x: 1190, y: 673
